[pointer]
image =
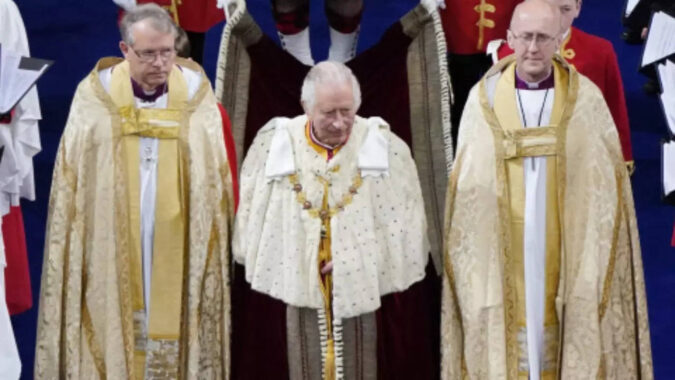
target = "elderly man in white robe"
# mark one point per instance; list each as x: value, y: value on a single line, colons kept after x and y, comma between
x: 331, y: 220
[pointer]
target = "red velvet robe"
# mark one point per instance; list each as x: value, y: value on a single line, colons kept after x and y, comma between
x: 17, y: 275
x: 595, y: 58
x: 193, y: 15
x: 470, y: 24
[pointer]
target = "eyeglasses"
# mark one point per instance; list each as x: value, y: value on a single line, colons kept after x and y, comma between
x: 149, y: 56
x: 539, y: 39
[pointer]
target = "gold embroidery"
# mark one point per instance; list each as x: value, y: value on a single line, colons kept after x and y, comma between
x: 483, y: 22
x: 568, y: 54
x: 150, y: 122
x: 513, y: 291
x: 162, y: 359
x: 549, y: 360
x: 322, y: 212
x: 602, y: 308
x: 166, y: 293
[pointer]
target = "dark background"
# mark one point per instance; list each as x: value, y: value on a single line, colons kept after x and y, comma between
x: 76, y: 33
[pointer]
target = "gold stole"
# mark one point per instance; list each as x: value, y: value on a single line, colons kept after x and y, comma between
x: 325, y: 256
x: 326, y: 283
x: 169, y: 229
x: 523, y: 142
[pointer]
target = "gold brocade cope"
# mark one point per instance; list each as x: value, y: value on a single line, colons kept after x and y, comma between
x: 520, y: 142
x: 166, y: 286
x: 88, y: 325
x: 603, y: 329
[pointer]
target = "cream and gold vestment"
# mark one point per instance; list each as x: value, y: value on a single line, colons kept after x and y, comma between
x: 595, y: 323
x: 92, y: 322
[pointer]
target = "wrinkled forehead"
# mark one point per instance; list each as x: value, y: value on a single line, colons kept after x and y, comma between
x: 536, y: 23
x: 333, y: 89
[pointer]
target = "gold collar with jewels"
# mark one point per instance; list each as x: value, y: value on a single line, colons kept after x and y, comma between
x: 324, y: 213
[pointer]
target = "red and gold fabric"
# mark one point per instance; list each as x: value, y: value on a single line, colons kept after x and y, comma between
x: 470, y: 24
x: 191, y: 15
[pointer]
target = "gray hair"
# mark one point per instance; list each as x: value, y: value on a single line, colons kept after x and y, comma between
x: 159, y: 19
x: 327, y: 72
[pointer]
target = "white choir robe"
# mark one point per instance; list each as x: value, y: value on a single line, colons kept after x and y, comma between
x: 21, y: 137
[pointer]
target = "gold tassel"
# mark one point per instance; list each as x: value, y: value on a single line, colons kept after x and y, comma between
x: 329, y: 367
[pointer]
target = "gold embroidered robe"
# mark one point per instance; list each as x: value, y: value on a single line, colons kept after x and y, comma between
x: 598, y: 298
x: 86, y: 323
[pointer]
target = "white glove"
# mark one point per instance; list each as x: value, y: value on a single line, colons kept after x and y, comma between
x: 432, y: 5
x: 225, y: 6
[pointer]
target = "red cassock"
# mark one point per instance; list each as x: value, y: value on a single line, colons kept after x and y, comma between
x: 231, y: 153
x: 192, y: 15
x: 470, y: 24
x: 17, y: 276
x: 594, y: 57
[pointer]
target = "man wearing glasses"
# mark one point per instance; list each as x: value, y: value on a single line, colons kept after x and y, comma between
x: 543, y: 271
x: 134, y: 279
x: 594, y: 57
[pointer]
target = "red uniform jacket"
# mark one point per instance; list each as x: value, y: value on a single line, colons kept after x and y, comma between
x: 191, y: 15
x: 594, y: 57
x: 470, y: 24
x: 231, y: 153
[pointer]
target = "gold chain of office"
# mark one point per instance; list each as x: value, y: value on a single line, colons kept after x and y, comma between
x: 322, y: 213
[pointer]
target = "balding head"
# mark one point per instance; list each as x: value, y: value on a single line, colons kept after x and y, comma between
x: 530, y: 11
x: 535, y: 37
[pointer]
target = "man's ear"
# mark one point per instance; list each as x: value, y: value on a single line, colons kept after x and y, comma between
x: 510, y: 39
x: 124, y: 48
x: 304, y: 107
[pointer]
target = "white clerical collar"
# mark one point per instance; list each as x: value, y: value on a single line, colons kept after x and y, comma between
x: 546, y: 83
